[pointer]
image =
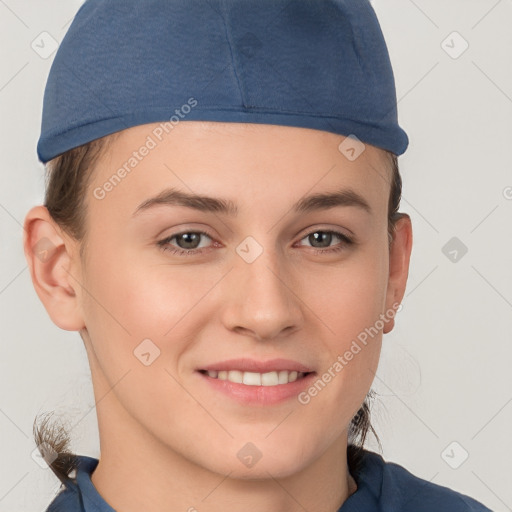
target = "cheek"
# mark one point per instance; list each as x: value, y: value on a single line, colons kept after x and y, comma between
x: 142, y: 310
x: 347, y: 303
x: 136, y: 290
x: 141, y: 318
x: 348, y: 297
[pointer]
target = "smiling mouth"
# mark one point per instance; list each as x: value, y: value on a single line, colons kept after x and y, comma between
x: 273, y: 378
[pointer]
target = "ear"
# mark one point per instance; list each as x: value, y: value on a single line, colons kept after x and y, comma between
x: 50, y: 257
x: 399, y: 258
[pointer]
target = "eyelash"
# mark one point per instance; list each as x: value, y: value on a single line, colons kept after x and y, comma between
x: 164, y: 244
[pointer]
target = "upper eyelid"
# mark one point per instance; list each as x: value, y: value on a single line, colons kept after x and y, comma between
x: 308, y: 231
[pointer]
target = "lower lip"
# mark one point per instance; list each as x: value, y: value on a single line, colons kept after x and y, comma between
x: 259, y: 395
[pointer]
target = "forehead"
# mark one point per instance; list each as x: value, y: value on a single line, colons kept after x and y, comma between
x: 242, y: 162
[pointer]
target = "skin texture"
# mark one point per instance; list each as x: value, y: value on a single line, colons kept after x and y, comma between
x: 169, y: 441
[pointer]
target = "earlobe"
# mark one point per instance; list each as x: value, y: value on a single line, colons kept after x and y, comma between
x: 49, y: 256
x: 399, y: 259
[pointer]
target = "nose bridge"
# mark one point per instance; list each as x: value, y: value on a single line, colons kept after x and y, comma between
x: 265, y: 302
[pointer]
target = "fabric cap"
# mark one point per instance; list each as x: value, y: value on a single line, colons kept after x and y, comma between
x: 320, y: 64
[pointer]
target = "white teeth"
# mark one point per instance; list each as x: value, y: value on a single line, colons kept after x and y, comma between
x: 251, y: 379
x: 235, y: 376
x: 270, y: 379
x: 256, y: 379
x: 283, y: 377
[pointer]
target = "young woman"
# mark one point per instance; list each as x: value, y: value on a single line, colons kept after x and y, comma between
x: 221, y: 226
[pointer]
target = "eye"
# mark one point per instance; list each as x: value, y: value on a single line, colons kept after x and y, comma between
x: 323, y: 238
x: 190, y: 241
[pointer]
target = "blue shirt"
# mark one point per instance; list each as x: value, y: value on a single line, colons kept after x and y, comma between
x: 381, y: 487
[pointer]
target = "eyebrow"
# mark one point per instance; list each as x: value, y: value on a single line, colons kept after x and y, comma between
x: 315, y: 202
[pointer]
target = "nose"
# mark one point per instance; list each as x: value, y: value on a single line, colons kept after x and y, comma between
x: 263, y: 298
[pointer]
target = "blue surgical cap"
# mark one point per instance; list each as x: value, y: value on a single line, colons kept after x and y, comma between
x: 320, y: 64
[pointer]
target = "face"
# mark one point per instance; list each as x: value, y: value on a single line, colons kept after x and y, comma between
x: 171, y: 287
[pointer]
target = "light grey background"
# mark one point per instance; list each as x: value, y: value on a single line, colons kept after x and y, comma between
x: 445, y: 372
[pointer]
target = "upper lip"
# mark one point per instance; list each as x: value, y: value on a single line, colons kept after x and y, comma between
x: 252, y: 365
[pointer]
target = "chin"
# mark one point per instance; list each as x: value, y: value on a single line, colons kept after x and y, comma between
x: 257, y: 461
x: 261, y: 470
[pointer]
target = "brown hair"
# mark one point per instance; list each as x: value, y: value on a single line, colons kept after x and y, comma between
x: 68, y: 178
